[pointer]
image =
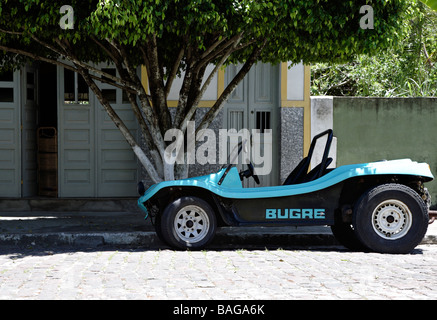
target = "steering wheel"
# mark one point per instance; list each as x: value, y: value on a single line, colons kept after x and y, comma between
x: 252, y: 172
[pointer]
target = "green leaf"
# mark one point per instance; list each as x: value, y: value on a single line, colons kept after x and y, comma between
x: 431, y: 3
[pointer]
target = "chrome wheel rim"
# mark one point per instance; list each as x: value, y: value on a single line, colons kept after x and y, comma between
x: 392, y: 219
x: 191, y: 224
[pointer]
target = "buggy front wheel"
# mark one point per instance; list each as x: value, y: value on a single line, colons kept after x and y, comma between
x: 188, y: 223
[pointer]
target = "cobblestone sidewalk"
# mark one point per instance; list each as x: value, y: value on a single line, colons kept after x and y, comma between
x: 108, y: 273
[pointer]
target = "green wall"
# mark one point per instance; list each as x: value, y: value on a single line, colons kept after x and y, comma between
x: 371, y: 129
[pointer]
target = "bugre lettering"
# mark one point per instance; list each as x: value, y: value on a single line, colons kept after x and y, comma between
x: 295, y: 214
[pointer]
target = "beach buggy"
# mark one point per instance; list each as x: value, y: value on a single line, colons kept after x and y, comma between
x: 379, y: 206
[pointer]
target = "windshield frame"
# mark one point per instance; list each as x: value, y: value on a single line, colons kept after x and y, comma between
x: 230, y: 163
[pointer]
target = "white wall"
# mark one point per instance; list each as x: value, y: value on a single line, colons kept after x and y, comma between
x: 296, y: 82
x: 322, y: 119
x: 210, y: 93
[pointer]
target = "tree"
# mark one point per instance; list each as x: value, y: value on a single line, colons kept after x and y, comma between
x: 400, y: 71
x: 431, y: 3
x: 183, y: 37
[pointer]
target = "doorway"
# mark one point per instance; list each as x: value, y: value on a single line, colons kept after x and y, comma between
x: 254, y: 105
x: 47, y: 141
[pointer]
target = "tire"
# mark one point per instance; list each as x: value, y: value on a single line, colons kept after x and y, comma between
x: 158, y: 230
x: 188, y: 223
x: 345, y: 235
x: 390, y: 218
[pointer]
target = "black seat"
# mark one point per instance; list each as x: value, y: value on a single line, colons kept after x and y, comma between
x: 300, y: 173
x: 312, y: 175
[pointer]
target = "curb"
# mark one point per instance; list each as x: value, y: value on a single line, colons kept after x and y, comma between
x: 148, y: 239
x: 81, y: 239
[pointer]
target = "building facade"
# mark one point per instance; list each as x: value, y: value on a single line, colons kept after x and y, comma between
x: 57, y: 141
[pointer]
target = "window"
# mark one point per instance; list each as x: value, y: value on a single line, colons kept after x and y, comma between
x: 112, y: 94
x: 125, y: 98
x: 83, y: 91
x: 76, y: 90
x: 6, y: 76
x: 6, y: 94
x: 236, y: 120
x: 69, y: 89
x: 30, y: 76
x: 110, y: 71
x: 263, y: 121
x: 109, y: 94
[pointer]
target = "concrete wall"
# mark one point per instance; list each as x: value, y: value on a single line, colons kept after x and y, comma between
x: 371, y: 129
x: 322, y: 119
x: 291, y: 141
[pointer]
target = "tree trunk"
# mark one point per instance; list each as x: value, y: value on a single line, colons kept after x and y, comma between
x: 142, y: 157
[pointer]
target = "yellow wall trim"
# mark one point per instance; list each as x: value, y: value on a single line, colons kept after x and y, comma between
x: 144, y: 79
x: 284, y: 69
x: 305, y: 104
x: 202, y: 103
x: 220, y: 82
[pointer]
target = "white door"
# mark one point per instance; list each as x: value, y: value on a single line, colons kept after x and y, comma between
x: 76, y: 137
x: 254, y: 105
x: 95, y: 160
x: 117, y: 166
x: 10, y: 135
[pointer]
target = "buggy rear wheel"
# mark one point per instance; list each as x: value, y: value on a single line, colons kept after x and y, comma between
x: 390, y: 218
x: 188, y: 223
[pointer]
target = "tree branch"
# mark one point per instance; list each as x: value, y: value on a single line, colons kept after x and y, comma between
x: 428, y: 59
x: 11, y: 32
x: 107, y: 51
x: 154, y: 152
x: 157, y: 85
x: 174, y: 71
x: 216, y: 108
x: 213, y: 54
x: 193, y: 108
x: 183, y: 96
x: 212, y: 47
x: 37, y: 57
x: 69, y: 55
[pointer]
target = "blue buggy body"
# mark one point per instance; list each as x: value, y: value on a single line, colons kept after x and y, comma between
x: 381, y: 206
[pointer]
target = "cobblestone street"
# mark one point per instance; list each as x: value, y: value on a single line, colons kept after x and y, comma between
x: 328, y: 273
